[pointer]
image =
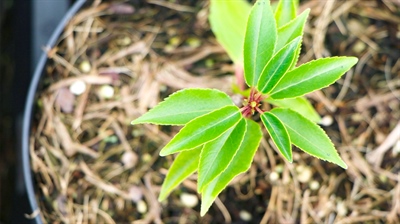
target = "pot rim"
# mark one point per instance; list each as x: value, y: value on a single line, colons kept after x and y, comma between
x: 29, y: 106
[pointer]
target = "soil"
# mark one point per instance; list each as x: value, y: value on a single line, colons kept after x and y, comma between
x: 92, y: 166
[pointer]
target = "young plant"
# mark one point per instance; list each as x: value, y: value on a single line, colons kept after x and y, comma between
x: 228, y: 22
x: 218, y: 139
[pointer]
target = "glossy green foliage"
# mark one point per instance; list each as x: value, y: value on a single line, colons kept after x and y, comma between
x: 240, y: 163
x: 184, y: 165
x: 216, y: 155
x: 278, y: 65
x: 312, y: 76
x: 218, y: 140
x: 259, y: 42
x: 278, y: 133
x: 228, y: 23
x: 285, y: 11
x: 203, y: 129
x: 308, y: 136
x: 177, y: 109
x: 291, y: 30
x: 299, y: 104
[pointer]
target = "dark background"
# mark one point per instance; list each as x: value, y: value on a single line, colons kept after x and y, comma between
x: 25, y: 26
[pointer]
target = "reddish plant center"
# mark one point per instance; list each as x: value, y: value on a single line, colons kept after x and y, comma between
x: 252, y: 104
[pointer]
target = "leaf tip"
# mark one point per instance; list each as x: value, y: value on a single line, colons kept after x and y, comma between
x: 354, y: 60
x: 135, y: 122
x: 164, y: 151
x: 205, y: 206
x: 139, y: 120
x: 342, y: 164
x: 202, y: 212
x: 161, y: 197
x: 307, y: 11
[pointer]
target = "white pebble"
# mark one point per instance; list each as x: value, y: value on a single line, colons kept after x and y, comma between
x: 341, y: 208
x: 304, y: 174
x: 189, y: 200
x: 314, y: 185
x: 300, y: 168
x: 129, y: 159
x: 78, y: 87
x: 106, y: 91
x: 245, y: 215
x: 273, y: 176
x: 326, y: 120
x: 141, y: 206
x: 136, y: 193
x: 85, y: 66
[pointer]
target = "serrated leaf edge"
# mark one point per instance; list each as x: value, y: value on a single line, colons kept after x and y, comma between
x: 266, y: 65
x: 202, y: 210
x: 309, y: 63
x: 241, y: 142
x: 164, y: 194
x: 290, y: 159
x: 289, y: 23
x: 134, y: 122
x: 254, y: 80
x: 162, y: 154
x: 311, y: 143
x: 278, y: 8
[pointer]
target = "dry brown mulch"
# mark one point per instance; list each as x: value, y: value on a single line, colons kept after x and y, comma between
x: 92, y: 166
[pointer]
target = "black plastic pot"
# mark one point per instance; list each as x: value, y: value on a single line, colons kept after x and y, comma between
x: 29, y: 110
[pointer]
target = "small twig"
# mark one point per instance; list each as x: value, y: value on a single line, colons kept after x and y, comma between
x: 223, y: 210
x: 346, y: 86
x: 137, y: 47
x: 155, y: 210
x: 79, y: 110
x: 367, y: 102
x: 271, y: 207
x: 97, y: 181
x: 204, y: 52
x: 304, y: 206
x: 320, y: 96
x: 321, y: 27
x: 88, y: 79
x: 174, y: 6
x: 60, y: 60
x: 375, y: 157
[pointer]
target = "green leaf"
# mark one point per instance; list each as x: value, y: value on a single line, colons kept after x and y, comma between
x: 278, y: 133
x: 290, y: 31
x: 260, y: 40
x: 293, y: 29
x: 240, y: 163
x: 299, y: 104
x: 312, y: 76
x: 277, y: 66
x: 217, y: 154
x: 308, y: 136
x: 185, y: 105
x: 184, y: 165
x: 203, y: 129
x: 285, y: 12
x: 228, y: 23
